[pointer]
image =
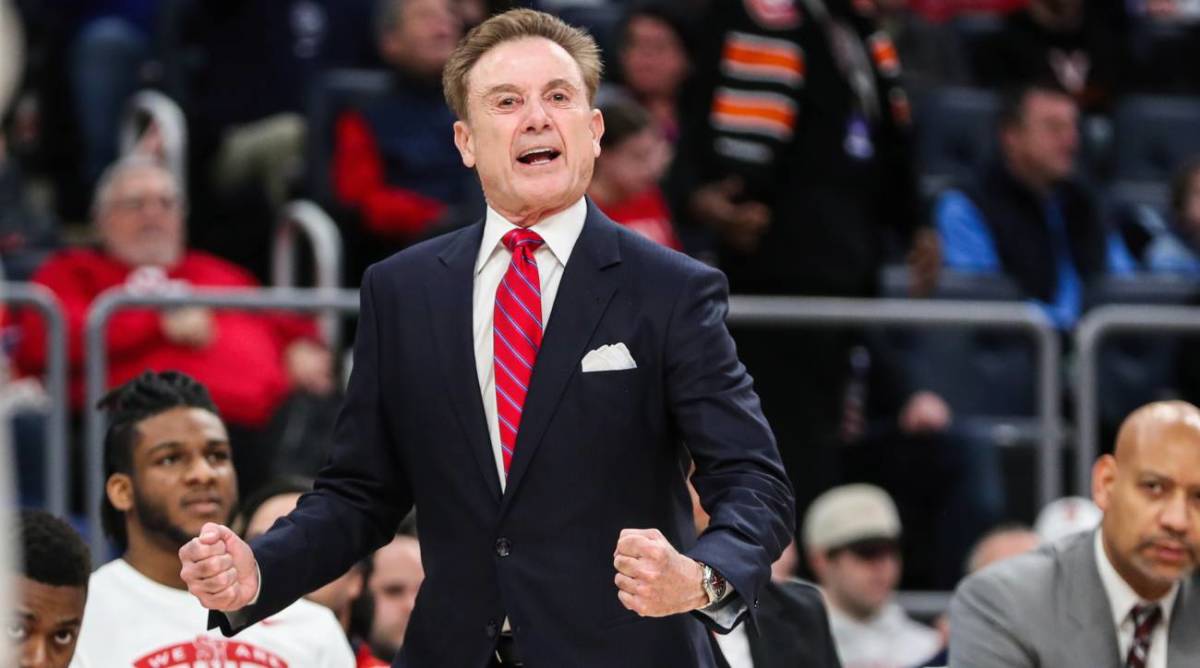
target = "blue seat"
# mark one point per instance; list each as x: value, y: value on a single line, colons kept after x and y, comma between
x: 954, y: 129
x: 1153, y: 136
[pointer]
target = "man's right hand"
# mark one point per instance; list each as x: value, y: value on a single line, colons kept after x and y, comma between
x: 219, y: 569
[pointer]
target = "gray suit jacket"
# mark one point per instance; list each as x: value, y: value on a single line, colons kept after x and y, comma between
x: 1048, y: 609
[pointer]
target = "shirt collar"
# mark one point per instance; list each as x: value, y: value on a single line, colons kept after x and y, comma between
x: 1122, y: 597
x: 560, y: 232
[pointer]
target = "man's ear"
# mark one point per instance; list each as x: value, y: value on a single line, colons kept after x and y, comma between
x: 597, y: 127
x: 1104, y: 475
x: 119, y: 489
x: 465, y: 142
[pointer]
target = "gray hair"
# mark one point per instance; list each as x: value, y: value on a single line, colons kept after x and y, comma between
x: 116, y: 171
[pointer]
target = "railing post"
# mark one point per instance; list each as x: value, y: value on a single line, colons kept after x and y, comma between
x: 325, y: 240
x: 57, y: 461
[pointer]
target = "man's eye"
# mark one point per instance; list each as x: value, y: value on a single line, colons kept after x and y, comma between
x: 64, y: 637
x: 1153, y: 486
x: 15, y: 631
x: 169, y: 460
x: 507, y: 101
x: 559, y: 97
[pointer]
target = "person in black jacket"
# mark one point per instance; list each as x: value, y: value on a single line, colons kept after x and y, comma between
x: 790, y: 626
x: 796, y: 164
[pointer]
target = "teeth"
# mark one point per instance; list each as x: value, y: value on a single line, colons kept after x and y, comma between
x: 534, y: 151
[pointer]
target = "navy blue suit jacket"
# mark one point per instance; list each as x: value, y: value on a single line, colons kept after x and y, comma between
x: 597, y: 452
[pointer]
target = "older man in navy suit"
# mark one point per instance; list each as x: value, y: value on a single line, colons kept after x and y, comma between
x: 535, y: 384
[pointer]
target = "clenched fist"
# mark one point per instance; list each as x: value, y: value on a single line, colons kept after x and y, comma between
x: 219, y: 569
x: 653, y: 578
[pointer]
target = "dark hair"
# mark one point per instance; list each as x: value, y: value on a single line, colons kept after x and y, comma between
x: 665, y: 12
x: 142, y: 398
x: 52, y: 553
x: 1181, y: 183
x: 289, y: 484
x: 1012, y: 101
x: 623, y: 118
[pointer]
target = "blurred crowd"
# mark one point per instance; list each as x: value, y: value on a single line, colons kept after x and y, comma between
x: 1038, y: 150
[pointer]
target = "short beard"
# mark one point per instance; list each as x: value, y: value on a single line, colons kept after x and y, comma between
x: 157, y: 526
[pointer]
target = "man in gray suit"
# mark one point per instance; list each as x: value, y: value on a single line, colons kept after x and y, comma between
x: 1126, y: 595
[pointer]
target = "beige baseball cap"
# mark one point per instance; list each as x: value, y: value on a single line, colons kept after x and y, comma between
x: 848, y: 514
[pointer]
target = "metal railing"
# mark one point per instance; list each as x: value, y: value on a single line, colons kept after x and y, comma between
x: 57, y: 460
x: 828, y: 312
x: 169, y: 118
x: 744, y: 311
x: 96, y: 359
x: 325, y: 240
x: 1089, y: 336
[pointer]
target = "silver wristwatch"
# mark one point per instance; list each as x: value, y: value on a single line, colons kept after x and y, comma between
x: 714, y: 585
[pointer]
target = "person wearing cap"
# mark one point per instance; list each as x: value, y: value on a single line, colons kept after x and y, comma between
x: 852, y: 535
x: 1124, y: 595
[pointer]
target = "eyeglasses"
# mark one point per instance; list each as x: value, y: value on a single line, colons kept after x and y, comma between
x: 141, y: 203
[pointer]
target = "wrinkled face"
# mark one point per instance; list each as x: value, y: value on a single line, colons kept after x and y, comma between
x: 1151, y: 503
x: 860, y: 582
x: 653, y: 60
x: 45, y: 623
x: 424, y: 38
x: 1046, y: 141
x: 141, y: 223
x: 531, y: 133
x: 636, y: 163
x: 394, y: 584
x: 182, y: 477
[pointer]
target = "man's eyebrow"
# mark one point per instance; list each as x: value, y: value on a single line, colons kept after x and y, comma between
x: 167, y: 445
x: 560, y: 83
x: 501, y: 88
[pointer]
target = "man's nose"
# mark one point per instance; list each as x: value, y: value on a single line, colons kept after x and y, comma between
x: 33, y: 653
x: 1174, y: 514
x: 537, y: 119
x: 201, y: 470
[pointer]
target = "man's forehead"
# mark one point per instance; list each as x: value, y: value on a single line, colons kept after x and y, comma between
x: 494, y: 69
x: 178, y: 423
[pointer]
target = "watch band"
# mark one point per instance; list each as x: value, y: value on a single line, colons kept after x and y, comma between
x: 714, y: 585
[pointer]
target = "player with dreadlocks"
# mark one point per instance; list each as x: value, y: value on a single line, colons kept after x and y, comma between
x: 169, y: 471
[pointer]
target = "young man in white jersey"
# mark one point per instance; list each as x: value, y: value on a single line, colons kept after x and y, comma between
x: 169, y: 470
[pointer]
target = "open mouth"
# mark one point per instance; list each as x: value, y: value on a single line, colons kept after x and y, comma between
x: 538, y: 156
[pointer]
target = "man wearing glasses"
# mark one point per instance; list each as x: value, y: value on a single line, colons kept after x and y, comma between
x: 250, y: 362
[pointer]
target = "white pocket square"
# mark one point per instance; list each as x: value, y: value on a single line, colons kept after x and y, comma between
x: 614, y: 357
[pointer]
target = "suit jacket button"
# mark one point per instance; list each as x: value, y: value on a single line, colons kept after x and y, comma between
x: 503, y: 547
x: 492, y: 629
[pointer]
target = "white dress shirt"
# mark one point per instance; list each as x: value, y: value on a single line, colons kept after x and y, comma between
x: 890, y: 639
x: 735, y: 647
x: 1122, y: 599
x: 560, y: 232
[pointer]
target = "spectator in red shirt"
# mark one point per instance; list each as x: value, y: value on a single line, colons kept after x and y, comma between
x: 249, y: 361
x: 394, y: 160
x: 633, y: 157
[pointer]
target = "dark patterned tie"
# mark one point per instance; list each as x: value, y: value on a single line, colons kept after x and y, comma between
x: 1145, y: 618
x: 517, y: 334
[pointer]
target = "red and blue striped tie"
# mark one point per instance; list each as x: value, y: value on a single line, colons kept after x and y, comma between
x: 517, y: 334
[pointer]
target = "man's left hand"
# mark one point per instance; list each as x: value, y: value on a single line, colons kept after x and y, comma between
x: 653, y: 578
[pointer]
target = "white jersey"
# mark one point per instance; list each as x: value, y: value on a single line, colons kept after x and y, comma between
x: 133, y: 622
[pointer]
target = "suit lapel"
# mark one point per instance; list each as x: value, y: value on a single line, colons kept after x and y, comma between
x: 1093, y: 642
x: 450, y: 312
x: 1183, y: 643
x: 583, y: 295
